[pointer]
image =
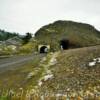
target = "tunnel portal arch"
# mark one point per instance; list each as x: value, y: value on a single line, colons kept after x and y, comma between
x: 64, y: 44
x: 43, y: 48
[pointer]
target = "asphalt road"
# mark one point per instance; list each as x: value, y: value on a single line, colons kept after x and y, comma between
x: 13, y: 61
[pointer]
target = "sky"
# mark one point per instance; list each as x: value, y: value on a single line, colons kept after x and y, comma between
x: 24, y: 16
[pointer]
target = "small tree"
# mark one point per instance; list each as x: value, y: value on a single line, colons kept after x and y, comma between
x: 26, y: 38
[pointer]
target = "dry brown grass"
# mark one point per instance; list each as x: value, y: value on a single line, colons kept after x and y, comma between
x: 73, y: 78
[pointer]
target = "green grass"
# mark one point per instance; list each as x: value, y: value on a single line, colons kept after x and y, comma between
x: 16, y: 77
x: 72, y: 76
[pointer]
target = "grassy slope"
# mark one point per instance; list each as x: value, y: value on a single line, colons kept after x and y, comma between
x: 30, y: 47
x: 71, y: 74
x: 16, y: 77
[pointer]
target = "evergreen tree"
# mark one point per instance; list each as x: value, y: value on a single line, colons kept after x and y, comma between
x: 27, y: 37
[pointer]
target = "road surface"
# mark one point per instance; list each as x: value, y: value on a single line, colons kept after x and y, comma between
x: 13, y: 61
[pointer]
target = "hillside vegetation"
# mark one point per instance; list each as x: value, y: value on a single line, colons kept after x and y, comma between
x: 72, y: 74
x: 4, y: 35
x: 60, y: 75
x: 78, y: 34
x: 14, y: 43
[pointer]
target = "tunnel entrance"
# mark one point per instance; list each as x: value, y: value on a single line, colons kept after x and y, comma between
x: 64, y: 44
x: 43, y: 49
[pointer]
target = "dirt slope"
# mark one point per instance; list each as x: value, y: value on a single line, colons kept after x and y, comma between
x: 73, y: 75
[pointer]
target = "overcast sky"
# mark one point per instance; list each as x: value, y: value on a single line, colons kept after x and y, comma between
x: 29, y: 15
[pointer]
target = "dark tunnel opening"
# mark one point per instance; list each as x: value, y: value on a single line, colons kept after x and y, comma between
x: 43, y: 49
x: 64, y: 44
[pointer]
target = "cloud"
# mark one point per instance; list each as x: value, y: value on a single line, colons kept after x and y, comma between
x: 29, y: 15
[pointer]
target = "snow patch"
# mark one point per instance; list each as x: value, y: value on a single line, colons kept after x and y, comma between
x: 43, y: 59
x: 94, y: 59
x: 47, y: 77
x: 59, y: 95
x: 40, y: 83
x: 53, y: 61
x: 98, y: 60
x: 92, y: 64
x: 30, y: 75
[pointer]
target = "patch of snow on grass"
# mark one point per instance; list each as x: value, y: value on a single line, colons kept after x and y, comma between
x: 92, y: 64
x: 47, y: 77
x: 43, y: 59
x: 40, y: 83
x: 59, y: 95
x: 94, y: 59
x: 53, y: 61
x: 48, y: 71
x: 49, y: 61
x: 98, y: 60
x: 30, y: 75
